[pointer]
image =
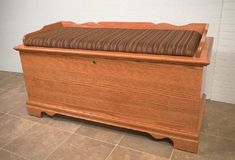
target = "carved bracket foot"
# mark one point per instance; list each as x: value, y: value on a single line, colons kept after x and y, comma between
x: 50, y: 113
x: 34, y: 111
x: 181, y: 143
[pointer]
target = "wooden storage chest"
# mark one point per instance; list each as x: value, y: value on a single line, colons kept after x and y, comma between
x: 162, y: 95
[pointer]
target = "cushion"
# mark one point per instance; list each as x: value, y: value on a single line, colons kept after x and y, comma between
x: 149, y: 41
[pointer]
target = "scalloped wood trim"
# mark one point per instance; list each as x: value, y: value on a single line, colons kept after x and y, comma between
x: 199, y: 27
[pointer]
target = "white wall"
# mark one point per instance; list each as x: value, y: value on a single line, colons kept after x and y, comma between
x: 224, y: 75
x: 19, y: 17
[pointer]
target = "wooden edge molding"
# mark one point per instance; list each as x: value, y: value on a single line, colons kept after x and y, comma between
x: 202, y: 41
x: 56, y: 109
x: 199, y: 27
x: 202, y: 113
x: 203, y: 60
x: 207, y: 50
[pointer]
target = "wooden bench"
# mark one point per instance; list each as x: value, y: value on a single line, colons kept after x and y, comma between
x: 162, y: 95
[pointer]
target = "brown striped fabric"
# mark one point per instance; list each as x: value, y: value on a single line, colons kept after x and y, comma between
x: 152, y: 41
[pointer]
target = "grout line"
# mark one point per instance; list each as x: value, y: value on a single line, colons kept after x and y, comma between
x: 226, y: 138
x: 18, y: 155
x: 114, y: 147
x: 111, y: 152
x: 136, y: 150
x: 121, y: 138
x: 38, y: 123
x: 72, y: 133
x: 172, y: 153
x: 46, y: 124
x: 8, y: 112
x: 57, y: 146
x: 33, y: 124
x: 19, y: 135
x: 77, y: 134
x: 132, y: 149
x: 18, y: 116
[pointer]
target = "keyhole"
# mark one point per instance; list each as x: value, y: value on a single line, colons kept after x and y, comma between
x: 94, y: 62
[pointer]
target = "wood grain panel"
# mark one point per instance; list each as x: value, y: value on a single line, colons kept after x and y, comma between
x: 142, y: 89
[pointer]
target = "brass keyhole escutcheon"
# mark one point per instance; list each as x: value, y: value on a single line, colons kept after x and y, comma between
x: 94, y: 62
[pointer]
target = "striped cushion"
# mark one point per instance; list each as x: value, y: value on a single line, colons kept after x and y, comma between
x: 152, y: 41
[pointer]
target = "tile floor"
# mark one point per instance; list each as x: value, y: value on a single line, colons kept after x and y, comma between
x: 23, y: 137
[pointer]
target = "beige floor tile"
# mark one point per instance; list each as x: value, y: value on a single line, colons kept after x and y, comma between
x: 38, y: 142
x: 210, y: 148
x: 4, y: 77
x: 121, y: 153
x: 8, y: 74
x: 219, y: 119
x: 101, y: 132
x: 82, y: 148
x: 145, y: 143
x: 20, y: 88
x: 10, y: 101
x: 14, y: 81
x: 11, y: 127
x: 21, y: 111
x: 182, y: 155
x: 4, y: 85
x: 63, y: 122
x: 4, y: 155
x: 66, y: 123
x: 13, y: 92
